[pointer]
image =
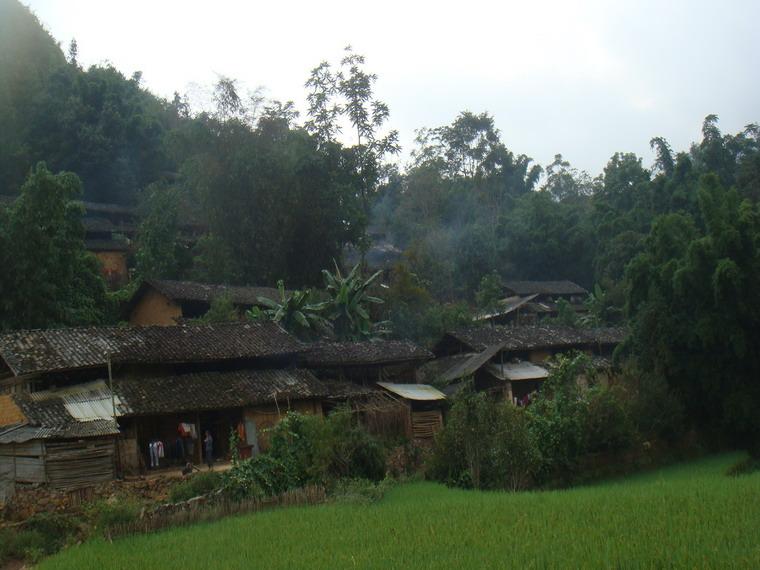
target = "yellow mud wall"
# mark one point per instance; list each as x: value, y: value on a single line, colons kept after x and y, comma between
x: 155, y: 309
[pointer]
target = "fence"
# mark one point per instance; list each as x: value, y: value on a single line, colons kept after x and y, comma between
x: 7, y: 483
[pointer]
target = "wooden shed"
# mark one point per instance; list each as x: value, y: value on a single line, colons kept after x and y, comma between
x: 424, y: 405
x: 65, y: 458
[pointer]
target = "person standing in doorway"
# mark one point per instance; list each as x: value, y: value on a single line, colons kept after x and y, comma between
x: 208, y: 448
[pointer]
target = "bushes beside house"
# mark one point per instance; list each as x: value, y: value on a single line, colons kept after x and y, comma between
x: 308, y: 450
x: 556, y: 440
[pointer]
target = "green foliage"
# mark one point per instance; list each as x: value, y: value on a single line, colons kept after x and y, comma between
x: 609, y: 427
x: 360, y: 491
x: 745, y: 466
x: 348, y: 305
x: 414, y: 313
x: 349, y: 94
x: 57, y: 529
x: 107, y: 515
x: 213, y: 261
x: 308, y: 449
x: 485, y: 444
x: 294, y: 311
x: 160, y: 253
x: 490, y: 292
x: 221, y: 310
x: 685, y: 516
x: 694, y: 311
x: 48, y: 277
x: 196, y: 485
x: 558, y: 417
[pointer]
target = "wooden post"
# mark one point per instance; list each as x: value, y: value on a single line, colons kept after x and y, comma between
x: 199, y: 442
x: 113, y: 415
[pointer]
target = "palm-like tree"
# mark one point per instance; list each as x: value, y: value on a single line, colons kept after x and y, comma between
x: 293, y: 311
x: 347, y: 307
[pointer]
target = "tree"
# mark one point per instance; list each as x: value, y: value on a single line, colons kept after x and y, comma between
x: 564, y: 182
x: 490, y: 292
x: 349, y: 94
x: 48, y: 278
x: 161, y: 253
x: 222, y: 310
x: 694, y: 310
x: 348, y: 306
x: 278, y: 205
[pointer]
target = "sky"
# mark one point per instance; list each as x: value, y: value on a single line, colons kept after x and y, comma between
x: 584, y: 79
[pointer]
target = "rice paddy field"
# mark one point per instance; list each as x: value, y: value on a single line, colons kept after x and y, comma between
x: 685, y: 516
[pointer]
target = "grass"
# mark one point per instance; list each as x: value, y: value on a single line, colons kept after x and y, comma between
x: 685, y: 516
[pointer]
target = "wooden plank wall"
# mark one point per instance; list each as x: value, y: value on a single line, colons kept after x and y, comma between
x: 426, y: 424
x: 74, y: 464
x: 23, y: 461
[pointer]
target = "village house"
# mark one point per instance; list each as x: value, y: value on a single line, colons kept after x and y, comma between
x: 82, y: 405
x: 390, y: 366
x: 109, y: 232
x: 165, y: 302
x: 529, y: 302
x: 513, y: 362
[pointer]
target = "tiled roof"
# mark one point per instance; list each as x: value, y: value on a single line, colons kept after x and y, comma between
x: 30, y: 351
x: 524, y: 288
x: 217, y: 390
x: 529, y: 338
x: 433, y: 371
x: 207, y: 343
x: 105, y: 245
x: 363, y: 353
x: 86, y: 410
x: 204, y: 292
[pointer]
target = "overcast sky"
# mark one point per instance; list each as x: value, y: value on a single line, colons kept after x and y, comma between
x: 584, y: 79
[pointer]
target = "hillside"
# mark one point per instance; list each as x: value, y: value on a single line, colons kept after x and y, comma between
x: 685, y: 516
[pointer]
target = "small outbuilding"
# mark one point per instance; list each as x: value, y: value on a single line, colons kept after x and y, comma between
x: 424, y: 407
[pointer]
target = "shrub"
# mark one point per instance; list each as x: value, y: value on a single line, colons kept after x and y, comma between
x: 608, y: 427
x: 516, y: 458
x: 745, y: 466
x: 485, y: 444
x: 361, y: 491
x: 56, y: 529
x: 106, y: 515
x: 195, y: 486
x: 260, y: 476
x: 309, y: 449
x: 557, y: 418
x: 31, y: 545
x: 655, y: 410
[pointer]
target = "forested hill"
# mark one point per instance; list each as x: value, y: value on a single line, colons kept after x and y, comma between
x: 93, y: 122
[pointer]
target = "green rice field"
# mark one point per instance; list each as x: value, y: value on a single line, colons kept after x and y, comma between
x: 686, y: 516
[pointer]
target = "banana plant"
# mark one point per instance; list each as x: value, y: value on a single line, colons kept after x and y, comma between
x: 293, y: 311
x: 347, y: 307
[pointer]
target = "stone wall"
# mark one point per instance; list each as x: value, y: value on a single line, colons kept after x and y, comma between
x: 31, y: 499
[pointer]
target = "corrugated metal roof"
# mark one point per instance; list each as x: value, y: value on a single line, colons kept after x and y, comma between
x: 422, y: 392
x: 86, y: 402
x: 76, y: 430
x: 516, y: 371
